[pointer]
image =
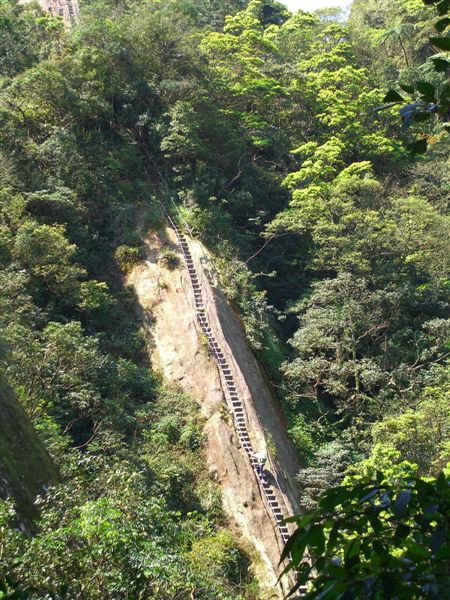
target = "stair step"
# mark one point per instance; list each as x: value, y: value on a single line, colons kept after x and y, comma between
x: 278, y: 515
x: 237, y: 405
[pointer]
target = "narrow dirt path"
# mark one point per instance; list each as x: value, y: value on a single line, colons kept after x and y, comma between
x: 179, y: 347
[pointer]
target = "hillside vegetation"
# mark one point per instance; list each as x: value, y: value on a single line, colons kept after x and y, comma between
x: 261, y: 130
x: 25, y: 467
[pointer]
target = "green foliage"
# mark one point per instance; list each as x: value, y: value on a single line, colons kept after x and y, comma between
x: 44, y: 251
x: 263, y: 128
x: 221, y: 554
x: 128, y: 257
x: 238, y: 284
x: 429, y: 99
x: 374, y: 538
x: 26, y: 36
x: 420, y: 434
x: 169, y: 258
x: 326, y: 470
x: 25, y: 466
x: 95, y: 297
x: 382, y: 460
x: 118, y: 545
x: 348, y: 349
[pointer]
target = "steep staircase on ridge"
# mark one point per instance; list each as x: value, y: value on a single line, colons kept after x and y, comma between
x: 67, y: 9
x: 235, y: 401
x: 70, y: 10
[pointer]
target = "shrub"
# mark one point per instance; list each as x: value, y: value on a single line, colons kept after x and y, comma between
x: 169, y: 259
x: 127, y: 257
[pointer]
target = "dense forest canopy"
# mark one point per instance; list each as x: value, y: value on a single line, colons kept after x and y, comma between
x: 263, y: 127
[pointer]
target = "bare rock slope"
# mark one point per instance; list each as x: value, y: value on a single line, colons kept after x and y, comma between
x: 178, y: 349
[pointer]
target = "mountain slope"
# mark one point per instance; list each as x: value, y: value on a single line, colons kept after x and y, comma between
x: 25, y: 467
x: 179, y: 350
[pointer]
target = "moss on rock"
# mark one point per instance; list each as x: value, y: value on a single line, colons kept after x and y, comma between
x: 25, y: 466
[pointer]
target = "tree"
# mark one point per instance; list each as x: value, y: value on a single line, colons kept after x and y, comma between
x: 47, y: 254
x: 429, y: 98
x: 421, y: 433
x: 26, y: 36
x: 375, y: 538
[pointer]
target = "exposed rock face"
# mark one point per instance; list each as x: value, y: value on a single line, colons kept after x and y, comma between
x: 177, y: 349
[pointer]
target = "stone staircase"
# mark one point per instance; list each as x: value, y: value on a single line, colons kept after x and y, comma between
x: 236, y: 403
